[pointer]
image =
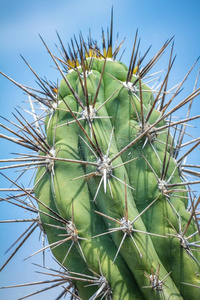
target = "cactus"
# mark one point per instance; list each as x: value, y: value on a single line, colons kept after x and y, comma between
x: 112, y: 193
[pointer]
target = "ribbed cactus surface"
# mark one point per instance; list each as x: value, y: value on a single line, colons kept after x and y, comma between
x: 111, y: 191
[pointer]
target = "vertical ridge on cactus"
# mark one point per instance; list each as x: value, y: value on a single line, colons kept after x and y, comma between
x: 112, y: 193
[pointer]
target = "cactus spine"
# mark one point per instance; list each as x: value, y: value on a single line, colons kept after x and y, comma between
x: 111, y: 191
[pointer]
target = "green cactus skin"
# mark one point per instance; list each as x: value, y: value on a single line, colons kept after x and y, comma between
x: 68, y: 141
x: 112, y: 198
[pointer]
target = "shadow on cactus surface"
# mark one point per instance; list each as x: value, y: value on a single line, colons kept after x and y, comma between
x: 112, y: 191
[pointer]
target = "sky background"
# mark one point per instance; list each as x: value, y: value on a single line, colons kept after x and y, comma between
x: 20, y: 23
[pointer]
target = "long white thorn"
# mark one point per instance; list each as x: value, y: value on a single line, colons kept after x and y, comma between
x: 124, y: 236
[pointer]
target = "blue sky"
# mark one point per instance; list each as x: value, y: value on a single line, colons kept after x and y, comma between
x: 20, y: 23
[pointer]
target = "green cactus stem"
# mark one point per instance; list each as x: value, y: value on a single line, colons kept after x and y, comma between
x: 112, y: 193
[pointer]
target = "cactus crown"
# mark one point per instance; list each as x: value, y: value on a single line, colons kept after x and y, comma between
x: 112, y: 192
